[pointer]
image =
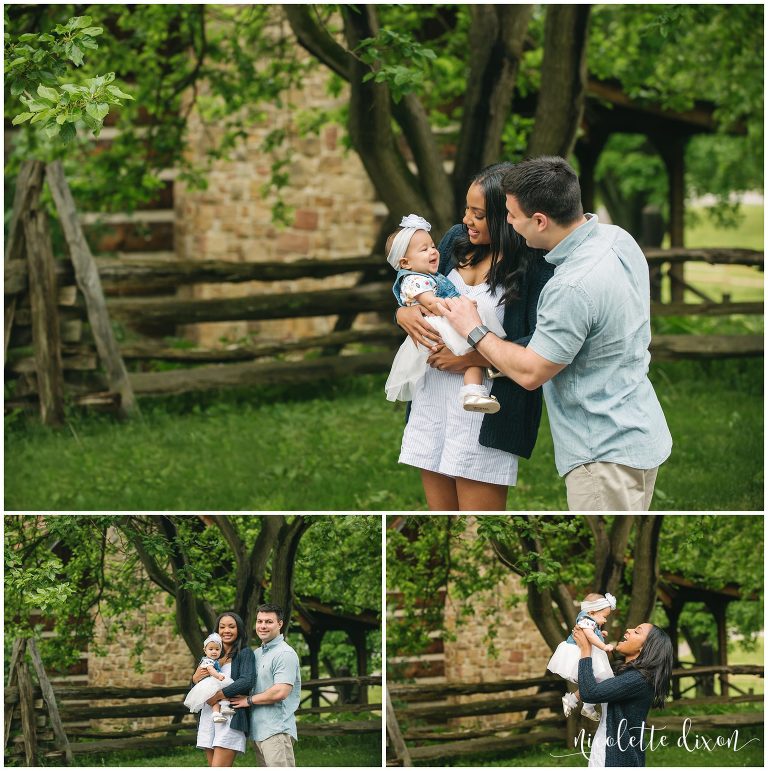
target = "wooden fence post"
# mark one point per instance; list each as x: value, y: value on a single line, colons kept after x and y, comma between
x: 27, y: 707
x: 50, y: 699
x: 46, y: 339
x: 90, y: 285
x: 28, y: 186
x: 395, y: 736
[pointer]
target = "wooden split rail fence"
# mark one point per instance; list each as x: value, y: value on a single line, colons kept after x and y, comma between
x: 418, y: 730
x: 61, y: 336
x: 43, y: 722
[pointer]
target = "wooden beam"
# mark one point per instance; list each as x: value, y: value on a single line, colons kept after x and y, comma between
x: 50, y: 700
x: 45, y: 319
x: 27, y: 707
x: 29, y: 183
x: 485, y: 746
x: 225, y: 375
x: 395, y: 737
x: 90, y: 285
x: 672, y: 347
x: 172, y: 310
x: 706, y: 309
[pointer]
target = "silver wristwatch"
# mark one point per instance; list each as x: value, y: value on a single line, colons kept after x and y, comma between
x: 477, y: 334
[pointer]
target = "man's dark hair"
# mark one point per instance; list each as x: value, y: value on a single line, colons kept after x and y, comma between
x: 654, y: 663
x: 545, y: 184
x: 268, y: 608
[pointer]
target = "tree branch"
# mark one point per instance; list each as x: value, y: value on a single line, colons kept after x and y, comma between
x: 316, y: 39
x: 645, y: 574
x: 156, y: 574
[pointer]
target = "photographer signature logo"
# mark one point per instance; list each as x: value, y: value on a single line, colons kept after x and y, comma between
x: 650, y: 738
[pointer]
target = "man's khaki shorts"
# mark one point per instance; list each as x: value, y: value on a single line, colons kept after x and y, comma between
x: 277, y: 751
x: 610, y: 487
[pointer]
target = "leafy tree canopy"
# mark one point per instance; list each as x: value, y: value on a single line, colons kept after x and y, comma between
x: 430, y: 553
x: 70, y: 571
x: 237, y: 64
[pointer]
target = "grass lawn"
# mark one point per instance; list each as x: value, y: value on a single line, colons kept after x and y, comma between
x: 334, y: 751
x: 335, y: 447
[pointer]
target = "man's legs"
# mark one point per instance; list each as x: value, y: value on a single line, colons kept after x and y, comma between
x: 610, y: 487
x: 277, y: 751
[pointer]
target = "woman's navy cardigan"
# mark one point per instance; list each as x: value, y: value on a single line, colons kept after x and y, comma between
x: 515, y: 426
x: 243, y: 672
x: 629, y: 698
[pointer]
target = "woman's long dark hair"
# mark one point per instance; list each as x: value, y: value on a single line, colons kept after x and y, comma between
x: 510, y: 255
x: 654, y: 663
x: 242, y: 634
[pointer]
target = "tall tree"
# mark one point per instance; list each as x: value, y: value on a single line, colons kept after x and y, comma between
x: 70, y: 570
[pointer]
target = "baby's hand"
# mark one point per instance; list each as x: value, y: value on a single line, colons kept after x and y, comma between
x: 608, y: 648
x: 220, y: 675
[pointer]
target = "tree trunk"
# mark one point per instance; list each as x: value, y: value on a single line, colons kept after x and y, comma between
x: 645, y: 574
x: 496, y: 38
x: 563, y: 81
x: 283, y: 564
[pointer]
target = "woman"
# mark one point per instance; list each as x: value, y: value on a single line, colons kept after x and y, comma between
x: 468, y: 460
x: 222, y: 741
x: 641, y: 682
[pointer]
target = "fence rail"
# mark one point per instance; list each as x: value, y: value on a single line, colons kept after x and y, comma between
x: 177, y: 732
x: 437, y: 741
x: 141, y: 297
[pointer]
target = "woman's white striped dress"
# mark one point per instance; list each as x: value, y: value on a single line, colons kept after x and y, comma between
x: 441, y: 435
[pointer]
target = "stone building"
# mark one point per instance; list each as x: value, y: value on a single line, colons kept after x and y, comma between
x: 462, y: 655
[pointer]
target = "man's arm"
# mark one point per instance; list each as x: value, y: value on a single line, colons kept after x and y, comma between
x: 273, y: 694
x: 523, y: 365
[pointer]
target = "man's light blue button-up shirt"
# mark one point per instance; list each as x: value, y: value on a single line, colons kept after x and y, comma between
x: 594, y: 316
x: 276, y: 662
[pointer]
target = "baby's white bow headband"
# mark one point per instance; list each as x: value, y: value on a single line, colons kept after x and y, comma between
x: 609, y: 601
x: 410, y: 225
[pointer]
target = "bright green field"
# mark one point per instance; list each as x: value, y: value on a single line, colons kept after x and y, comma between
x: 335, y: 447
x: 333, y: 751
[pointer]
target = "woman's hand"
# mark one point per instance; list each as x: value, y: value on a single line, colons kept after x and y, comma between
x: 442, y: 358
x: 585, y: 647
x: 412, y: 321
x: 200, y: 673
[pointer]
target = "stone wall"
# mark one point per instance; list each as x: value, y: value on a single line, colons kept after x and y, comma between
x: 335, y: 212
x: 521, y: 651
x: 166, y: 661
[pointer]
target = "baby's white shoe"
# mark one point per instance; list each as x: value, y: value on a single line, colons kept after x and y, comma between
x: 227, y: 710
x: 588, y: 710
x: 476, y: 398
x: 219, y: 718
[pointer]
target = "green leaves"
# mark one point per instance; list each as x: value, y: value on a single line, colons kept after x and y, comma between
x: 38, y: 63
x: 397, y: 60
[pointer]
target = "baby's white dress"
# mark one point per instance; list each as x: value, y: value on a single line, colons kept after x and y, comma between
x: 565, y: 659
x: 202, y: 691
x: 406, y: 378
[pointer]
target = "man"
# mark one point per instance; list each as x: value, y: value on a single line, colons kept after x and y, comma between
x: 590, y: 347
x: 277, y: 692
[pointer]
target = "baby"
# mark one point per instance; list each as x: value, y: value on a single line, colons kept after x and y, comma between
x: 412, y: 253
x: 208, y: 686
x: 595, y: 610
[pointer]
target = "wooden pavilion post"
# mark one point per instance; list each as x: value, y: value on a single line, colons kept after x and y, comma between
x: 358, y: 638
x: 673, y: 153
x: 718, y: 606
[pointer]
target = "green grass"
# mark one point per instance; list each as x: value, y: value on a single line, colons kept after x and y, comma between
x: 332, y: 751
x: 335, y: 448
x: 748, y: 234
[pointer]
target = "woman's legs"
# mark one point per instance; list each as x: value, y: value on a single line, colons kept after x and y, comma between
x: 480, y: 496
x: 209, y: 756
x: 440, y: 491
x: 222, y: 757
